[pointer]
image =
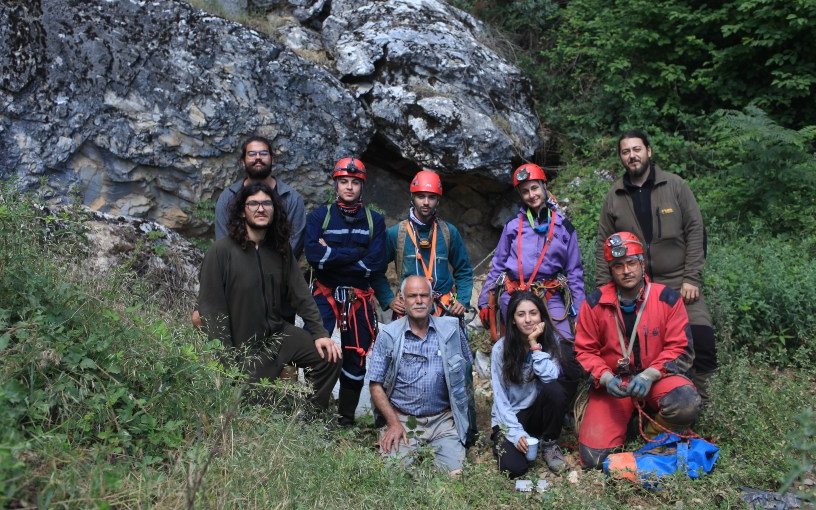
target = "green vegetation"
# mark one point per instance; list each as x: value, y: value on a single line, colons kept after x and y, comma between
x: 109, y: 398
x: 107, y: 401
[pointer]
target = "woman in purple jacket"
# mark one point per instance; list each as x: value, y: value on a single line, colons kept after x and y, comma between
x: 538, y: 251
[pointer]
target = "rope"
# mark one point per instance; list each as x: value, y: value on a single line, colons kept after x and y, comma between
x: 687, y: 434
x: 580, y: 406
x: 489, y: 256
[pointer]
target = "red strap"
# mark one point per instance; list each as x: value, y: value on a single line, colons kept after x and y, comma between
x: 328, y: 294
x: 364, y: 298
x: 689, y: 434
x: 523, y: 285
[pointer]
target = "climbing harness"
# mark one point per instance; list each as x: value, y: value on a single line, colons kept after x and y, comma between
x: 345, y: 301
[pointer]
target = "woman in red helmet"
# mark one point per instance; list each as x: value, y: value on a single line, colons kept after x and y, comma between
x: 538, y: 251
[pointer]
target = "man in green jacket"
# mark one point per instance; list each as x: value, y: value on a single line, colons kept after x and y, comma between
x: 245, y: 278
x: 661, y: 210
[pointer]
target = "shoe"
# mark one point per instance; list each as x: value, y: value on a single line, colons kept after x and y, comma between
x: 553, y: 456
x: 346, y: 422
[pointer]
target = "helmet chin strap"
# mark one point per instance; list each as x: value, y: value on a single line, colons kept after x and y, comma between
x: 415, y: 218
x: 629, y: 305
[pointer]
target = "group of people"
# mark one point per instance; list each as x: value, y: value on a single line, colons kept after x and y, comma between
x: 632, y: 338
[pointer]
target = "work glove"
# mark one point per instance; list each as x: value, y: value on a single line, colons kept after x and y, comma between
x: 614, y: 385
x: 484, y: 316
x: 639, y: 386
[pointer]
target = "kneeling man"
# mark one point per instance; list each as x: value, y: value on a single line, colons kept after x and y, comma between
x: 245, y: 280
x: 634, y: 338
x: 417, y: 370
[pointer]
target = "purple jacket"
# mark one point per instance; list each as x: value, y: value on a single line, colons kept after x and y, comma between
x: 563, y: 255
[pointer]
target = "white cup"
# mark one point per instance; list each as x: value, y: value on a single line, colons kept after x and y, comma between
x: 532, y: 448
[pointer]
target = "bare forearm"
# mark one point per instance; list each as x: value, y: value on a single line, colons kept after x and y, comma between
x: 380, y: 400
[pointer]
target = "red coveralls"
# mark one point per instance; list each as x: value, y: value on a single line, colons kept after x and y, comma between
x: 664, y: 338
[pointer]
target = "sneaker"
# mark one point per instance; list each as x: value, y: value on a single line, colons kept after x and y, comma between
x: 553, y: 456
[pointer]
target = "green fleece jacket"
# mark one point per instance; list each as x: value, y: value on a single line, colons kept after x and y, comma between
x: 241, y: 291
x: 676, y: 254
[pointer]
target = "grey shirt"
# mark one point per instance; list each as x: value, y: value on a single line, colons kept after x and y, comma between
x: 292, y: 202
x: 509, y: 399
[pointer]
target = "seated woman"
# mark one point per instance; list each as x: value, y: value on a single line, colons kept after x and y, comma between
x: 525, y: 365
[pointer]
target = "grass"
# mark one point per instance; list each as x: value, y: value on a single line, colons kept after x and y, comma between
x: 109, y: 399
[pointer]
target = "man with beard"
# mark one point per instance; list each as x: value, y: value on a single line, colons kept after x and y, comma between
x: 661, y: 210
x: 245, y: 278
x: 634, y: 340
x: 426, y: 245
x: 345, y: 241
x: 256, y: 160
x: 417, y: 368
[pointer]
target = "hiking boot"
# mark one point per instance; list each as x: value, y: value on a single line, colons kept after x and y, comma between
x: 553, y: 456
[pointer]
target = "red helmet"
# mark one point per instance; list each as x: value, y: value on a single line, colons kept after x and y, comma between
x: 349, y: 167
x: 622, y: 244
x: 528, y: 172
x: 426, y: 181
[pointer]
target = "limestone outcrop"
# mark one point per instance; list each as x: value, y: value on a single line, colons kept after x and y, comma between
x: 138, y: 107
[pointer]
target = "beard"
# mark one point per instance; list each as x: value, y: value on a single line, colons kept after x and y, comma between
x: 252, y: 224
x: 640, y: 170
x: 258, y: 173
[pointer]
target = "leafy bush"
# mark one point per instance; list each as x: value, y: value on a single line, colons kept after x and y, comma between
x: 802, y: 447
x: 753, y: 408
x: 767, y: 178
x: 83, y: 364
x: 762, y: 294
x: 669, y: 62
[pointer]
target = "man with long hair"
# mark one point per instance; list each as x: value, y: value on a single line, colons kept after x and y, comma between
x: 245, y: 279
x: 256, y: 161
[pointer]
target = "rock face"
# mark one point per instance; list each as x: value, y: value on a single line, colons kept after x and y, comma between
x: 435, y: 91
x: 139, y: 107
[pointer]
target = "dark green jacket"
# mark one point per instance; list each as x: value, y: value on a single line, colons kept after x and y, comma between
x: 676, y: 254
x: 242, y: 291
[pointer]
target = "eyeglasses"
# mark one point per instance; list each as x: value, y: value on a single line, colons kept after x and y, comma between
x: 626, y: 266
x: 253, y: 205
x: 253, y: 154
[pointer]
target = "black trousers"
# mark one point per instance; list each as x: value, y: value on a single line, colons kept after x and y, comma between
x: 296, y: 346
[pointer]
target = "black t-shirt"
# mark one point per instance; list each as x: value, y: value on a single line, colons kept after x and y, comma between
x: 642, y: 202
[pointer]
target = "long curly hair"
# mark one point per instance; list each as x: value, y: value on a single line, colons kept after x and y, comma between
x: 515, y: 345
x: 279, y: 229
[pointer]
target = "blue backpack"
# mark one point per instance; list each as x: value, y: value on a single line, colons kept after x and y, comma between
x: 666, y: 455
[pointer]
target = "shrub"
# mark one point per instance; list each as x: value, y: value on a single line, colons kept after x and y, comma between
x: 83, y: 364
x: 762, y: 294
